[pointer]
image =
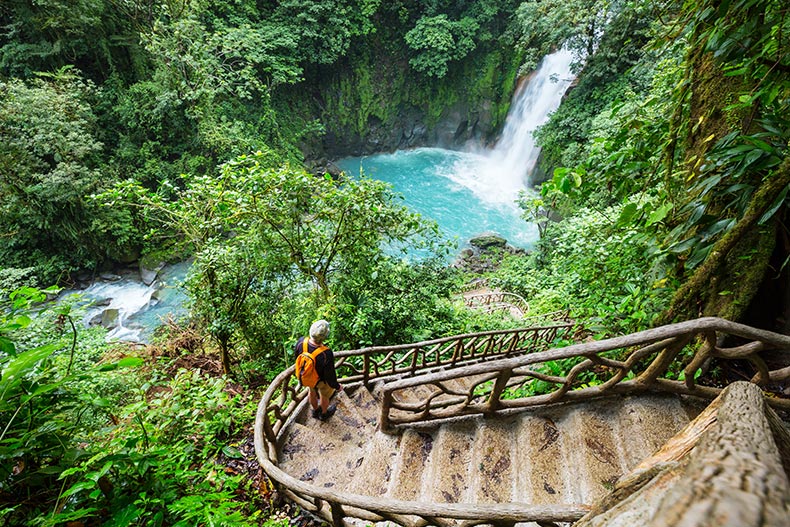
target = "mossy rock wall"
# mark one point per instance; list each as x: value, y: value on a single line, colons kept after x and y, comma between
x: 376, y: 103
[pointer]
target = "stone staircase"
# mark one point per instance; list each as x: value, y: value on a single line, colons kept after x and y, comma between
x: 470, y: 443
x: 560, y: 454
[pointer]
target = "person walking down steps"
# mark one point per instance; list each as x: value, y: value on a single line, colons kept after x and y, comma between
x: 315, y: 369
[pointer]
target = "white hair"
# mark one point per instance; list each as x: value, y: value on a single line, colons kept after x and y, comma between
x: 319, y: 330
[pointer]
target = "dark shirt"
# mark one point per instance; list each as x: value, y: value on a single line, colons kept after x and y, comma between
x: 324, y: 363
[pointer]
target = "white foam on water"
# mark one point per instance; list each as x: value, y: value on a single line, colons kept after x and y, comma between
x: 498, y: 175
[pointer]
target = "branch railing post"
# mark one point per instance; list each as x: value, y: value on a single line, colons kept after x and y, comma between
x: 386, y: 404
x: 494, y: 398
x: 337, y: 514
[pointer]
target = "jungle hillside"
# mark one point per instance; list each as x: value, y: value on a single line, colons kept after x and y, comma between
x: 135, y: 134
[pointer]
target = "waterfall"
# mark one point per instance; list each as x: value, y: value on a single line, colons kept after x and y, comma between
x: 497, y: 175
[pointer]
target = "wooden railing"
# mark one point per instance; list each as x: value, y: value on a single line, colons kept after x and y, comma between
x: 634, y: 363
x: 382, y: 363
x: 498, y: 301
x: 281, y: 402
x: 502, y: 365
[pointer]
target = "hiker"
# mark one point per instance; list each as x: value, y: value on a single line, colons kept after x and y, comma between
x: 315, y: 369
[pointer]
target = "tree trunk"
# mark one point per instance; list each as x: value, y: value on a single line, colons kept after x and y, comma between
x: 689, y: 300
x: 720, y: 471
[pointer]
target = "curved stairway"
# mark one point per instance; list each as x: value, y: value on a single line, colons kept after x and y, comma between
x: 480, y: 429
x: 565, y: 455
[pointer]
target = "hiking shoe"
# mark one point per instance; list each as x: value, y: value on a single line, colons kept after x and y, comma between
x: 316, y: 413
x: 329, y: 413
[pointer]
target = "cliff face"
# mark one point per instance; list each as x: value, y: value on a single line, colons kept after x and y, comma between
x: 374, y: 104
x: 411, y: 127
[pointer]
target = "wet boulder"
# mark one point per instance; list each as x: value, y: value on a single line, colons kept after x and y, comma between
x: 109, y: 318
x: 149, y: 270
x: 488, y: 241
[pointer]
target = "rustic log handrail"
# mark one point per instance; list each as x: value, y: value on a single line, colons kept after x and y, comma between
x: 497, y: 362
x: 497, y: 300
x: 355, y: 368
x: 659, y: 345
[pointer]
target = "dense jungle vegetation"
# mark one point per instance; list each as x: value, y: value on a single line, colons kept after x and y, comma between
x: 134, y: 129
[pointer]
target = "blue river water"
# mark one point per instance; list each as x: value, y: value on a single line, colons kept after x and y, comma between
x: 451, y: 188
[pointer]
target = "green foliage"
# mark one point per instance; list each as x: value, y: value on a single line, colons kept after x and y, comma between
x: 600, y: 30
x: 270, y: 238
x: 595, y: 267
x: 324, y: 29
x: 437, y: 41
x: 86, y: 439
x: 397, y: 302
x: 618, y: 73
x: 48, y: 34
x: 156, y: 467
x: 725, y: 170
x: 49, y: 164
x: 43, y: 402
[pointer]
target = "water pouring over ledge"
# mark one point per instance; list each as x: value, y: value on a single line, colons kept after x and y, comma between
x: 468, y: 193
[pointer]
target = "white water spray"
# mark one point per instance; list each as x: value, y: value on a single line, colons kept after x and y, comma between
x: 128, y: 308
x: 498, y: 175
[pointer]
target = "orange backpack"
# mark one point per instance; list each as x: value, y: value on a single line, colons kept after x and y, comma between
x: 306, y: 371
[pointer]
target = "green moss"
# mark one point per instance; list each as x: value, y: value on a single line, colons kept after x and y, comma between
x: 369, y: 87
x: 732, y: 290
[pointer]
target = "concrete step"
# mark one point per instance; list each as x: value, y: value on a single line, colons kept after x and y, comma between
x: 447, y: 479
x: 415, y: 394
x: 565, y: 454
x: 414, y: 455
x: 544, y: 469
x: 319, y: 458
x: 593, y: 447
x: 375, y: 474
x: 647, y: 422
x: 366, y: 405
x: 493, y: 465
x: 345, y: 408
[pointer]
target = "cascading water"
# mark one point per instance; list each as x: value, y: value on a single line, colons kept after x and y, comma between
x: 468, y: 193
x: 131, y: 310
x: 516, y: 153
x: 498, y: 175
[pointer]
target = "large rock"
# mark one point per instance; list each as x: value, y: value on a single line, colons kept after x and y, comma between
x: 488, y: 241
x: 109, y: 318
x: 149, y: 270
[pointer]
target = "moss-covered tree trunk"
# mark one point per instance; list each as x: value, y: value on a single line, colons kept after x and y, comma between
x: 727, y: 281
x: 729, y: 278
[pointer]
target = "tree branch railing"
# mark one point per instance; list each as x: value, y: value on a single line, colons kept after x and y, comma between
x: 505, y: 369
x: 634, y: 363
x: 496, y: 301
x: 283, y: 398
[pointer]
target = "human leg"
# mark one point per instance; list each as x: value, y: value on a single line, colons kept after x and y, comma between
x: 325, y: 392
x: 312, y: 397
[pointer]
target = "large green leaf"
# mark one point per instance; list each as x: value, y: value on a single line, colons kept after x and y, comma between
x: 18, y: 366
x: 774, y: 206
x: 659, y: 214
